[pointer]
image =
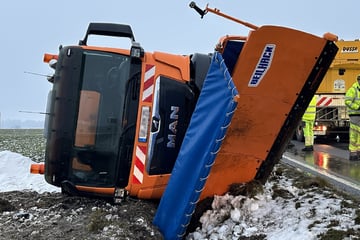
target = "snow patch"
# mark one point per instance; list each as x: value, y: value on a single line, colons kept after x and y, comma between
x: 15, y: 175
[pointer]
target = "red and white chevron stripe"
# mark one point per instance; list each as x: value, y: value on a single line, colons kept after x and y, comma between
x: 139, y: 165
x: 148, y: 83
x: 324, y: 101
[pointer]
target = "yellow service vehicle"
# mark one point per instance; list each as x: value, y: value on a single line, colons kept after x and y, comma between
x: 332, y: 121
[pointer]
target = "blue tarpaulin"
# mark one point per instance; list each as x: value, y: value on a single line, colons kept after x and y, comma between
x: 207, y: 128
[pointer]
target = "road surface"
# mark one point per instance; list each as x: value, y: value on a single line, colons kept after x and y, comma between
x: 328, y: 161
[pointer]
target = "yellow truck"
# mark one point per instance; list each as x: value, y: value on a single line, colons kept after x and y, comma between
x: 332, y: 120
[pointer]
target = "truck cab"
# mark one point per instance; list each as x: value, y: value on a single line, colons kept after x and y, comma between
x: 111, y: 109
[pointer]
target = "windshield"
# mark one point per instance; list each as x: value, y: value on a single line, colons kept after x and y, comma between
x: 100, y: 121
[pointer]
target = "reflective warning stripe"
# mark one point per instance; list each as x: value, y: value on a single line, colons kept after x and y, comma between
x: 139, y: 165
x: 324, y: 101
x: 147, y: 95
x: 148, y: 83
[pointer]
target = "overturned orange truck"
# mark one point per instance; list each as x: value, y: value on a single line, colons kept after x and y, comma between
x: 117, y: 117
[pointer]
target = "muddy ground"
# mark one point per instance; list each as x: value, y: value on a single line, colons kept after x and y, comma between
x: 30, y: 215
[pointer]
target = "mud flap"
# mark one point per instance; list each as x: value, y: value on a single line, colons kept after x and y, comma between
x: 208, y: 125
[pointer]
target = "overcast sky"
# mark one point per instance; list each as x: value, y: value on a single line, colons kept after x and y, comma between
x: 31, y: 28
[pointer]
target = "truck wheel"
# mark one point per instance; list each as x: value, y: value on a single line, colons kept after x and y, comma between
x: 299, y: 133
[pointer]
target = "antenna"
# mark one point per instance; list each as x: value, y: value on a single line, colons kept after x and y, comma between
x: 35, y: 112
x: 37, y: 74
x: 50, y: 78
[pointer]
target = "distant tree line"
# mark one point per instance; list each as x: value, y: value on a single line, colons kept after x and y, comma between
x: 21, y: 124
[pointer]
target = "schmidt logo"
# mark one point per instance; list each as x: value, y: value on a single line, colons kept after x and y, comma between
x: 262, y: 66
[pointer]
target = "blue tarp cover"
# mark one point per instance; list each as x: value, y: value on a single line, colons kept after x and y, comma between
x: 208, y: 125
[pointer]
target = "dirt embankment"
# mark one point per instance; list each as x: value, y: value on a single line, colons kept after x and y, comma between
x: 29, y: 215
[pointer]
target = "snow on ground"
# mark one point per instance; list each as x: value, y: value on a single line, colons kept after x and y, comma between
x: 296, y: 218
x: 297, y: 213
x: 284, y: 210
x: 15, y: 175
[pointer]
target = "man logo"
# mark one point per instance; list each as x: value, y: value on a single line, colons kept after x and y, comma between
x: 174, y: 116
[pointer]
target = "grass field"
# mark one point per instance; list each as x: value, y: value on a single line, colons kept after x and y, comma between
x: 28, y: 142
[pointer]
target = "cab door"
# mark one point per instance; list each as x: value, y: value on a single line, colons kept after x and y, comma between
x: 173, y: 104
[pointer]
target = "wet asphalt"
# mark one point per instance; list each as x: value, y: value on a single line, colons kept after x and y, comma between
x: 328, y: 160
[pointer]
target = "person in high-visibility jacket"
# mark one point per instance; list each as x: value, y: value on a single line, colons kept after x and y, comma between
x: 309, y: 120
x: 352, y: 102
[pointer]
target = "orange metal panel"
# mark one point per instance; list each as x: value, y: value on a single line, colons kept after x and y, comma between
x: 262, y: 109
x: 37, y: 168
x: 96, y: 190
x: 152, y: 186
x: 174, y: 66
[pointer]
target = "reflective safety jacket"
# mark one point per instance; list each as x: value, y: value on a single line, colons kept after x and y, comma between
x: 310, y: 112
x: 352, y: 100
